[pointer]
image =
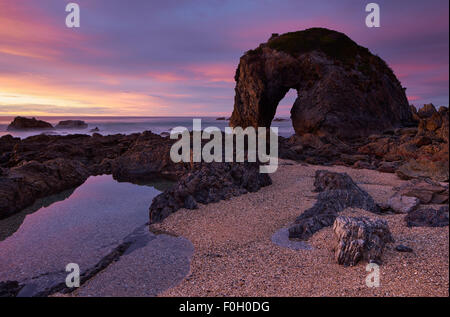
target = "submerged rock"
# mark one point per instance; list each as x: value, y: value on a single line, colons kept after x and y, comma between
x: 343, y: 89
x: 21, y: 123
x: 337, y: 192
x: 360, y: 239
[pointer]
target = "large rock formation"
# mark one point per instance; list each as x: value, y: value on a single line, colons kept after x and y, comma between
x: 21, y: 123
x: 343, y: 90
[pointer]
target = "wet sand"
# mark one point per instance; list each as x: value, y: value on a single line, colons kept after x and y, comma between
x: 235, y: 256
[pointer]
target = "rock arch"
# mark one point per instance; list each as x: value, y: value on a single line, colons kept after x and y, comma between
x: 342, y: 88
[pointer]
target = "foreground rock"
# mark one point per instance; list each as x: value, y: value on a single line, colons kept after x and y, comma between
x: 21, y: 123
x: 71, y: 124
x: 210, y: 183
x: 360, y: 239
x: 428, y: 217
x: 343, y: 89
x: 336, y: 193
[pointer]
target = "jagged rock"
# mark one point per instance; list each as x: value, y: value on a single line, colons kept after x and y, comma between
x: 210, y: 183
x: 71, y: 124
x: 403, y: 204
x: 426, y: 111
x: 360, y: 239
x: 336, y: 193
x: 435, y: 124
x: 428, y: 217
x: 343, y: 90
x: 21, y: 123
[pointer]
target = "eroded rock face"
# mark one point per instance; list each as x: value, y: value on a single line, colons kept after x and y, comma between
x: 21, y: 123
x: 336, y: 193
x: 208, y: 183
x: 360, y: 239
x: 343, y: 90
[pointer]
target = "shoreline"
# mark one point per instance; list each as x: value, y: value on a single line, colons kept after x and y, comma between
x: 234, y: 254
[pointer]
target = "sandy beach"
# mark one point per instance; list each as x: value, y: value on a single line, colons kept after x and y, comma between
x: 234, y: 254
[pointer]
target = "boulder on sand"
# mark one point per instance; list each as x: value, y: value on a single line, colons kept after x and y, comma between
x: 360, y: 239
x: 22, y: 123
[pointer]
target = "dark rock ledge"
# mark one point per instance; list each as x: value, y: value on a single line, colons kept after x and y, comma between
x: 42, y: 165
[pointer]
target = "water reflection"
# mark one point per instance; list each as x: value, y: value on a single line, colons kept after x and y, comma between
x: 79, y: 226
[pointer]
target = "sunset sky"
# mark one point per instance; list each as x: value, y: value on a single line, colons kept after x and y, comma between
x: 172, y: 57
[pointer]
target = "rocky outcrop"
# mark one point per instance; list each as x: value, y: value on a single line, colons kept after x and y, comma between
x: 414, y: 152
x: 148, y: 157
x: 425, y: 191
x: 22, y: 185
x: 336, y: 193
x: 343, y: 90
x: 428, y: 217
x: 208, y: 184
x: 21, y: 123
x: 42, y: 165
x: 360, y: 239
x: 71, y: 124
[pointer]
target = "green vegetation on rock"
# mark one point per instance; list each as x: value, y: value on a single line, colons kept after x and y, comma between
x: 334, y: 44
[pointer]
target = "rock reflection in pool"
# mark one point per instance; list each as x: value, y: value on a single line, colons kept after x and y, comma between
x: 81, y: 229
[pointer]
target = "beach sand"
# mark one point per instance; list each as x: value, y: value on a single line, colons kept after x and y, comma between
x: 234, y: 254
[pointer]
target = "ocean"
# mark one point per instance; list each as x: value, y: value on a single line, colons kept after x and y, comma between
x: 128, y: 125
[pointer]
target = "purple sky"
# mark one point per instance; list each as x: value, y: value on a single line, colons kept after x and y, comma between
x: 177, y: 57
